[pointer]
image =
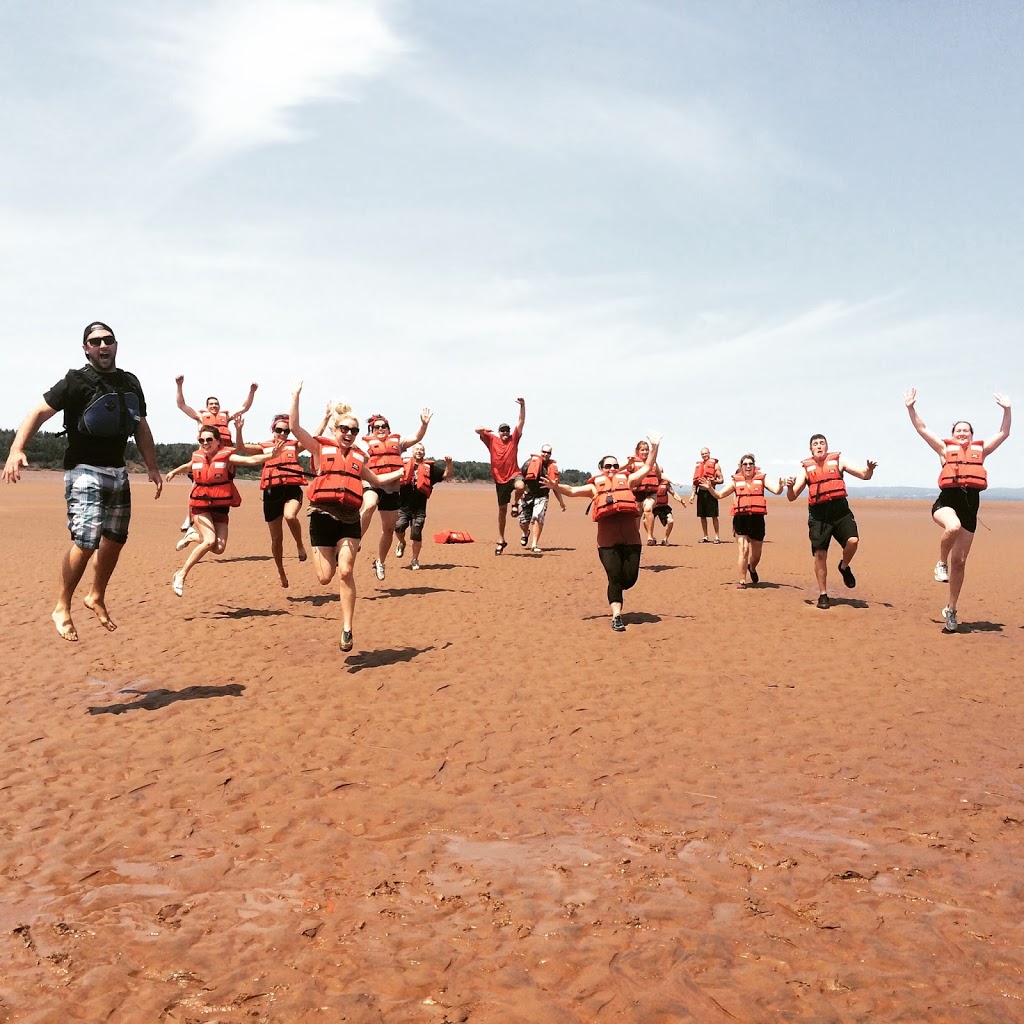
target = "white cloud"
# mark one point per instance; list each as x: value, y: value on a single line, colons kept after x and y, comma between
x: 240, y: 68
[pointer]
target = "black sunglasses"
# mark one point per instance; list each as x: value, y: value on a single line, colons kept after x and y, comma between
x: 610, y: 465
x: 281, y: 430
x: 342, y: 429
x: 208, y: 440
x: 746, y: 463
x: 105, y: 340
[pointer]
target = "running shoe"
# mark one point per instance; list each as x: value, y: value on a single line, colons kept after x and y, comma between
x: 345, y: 643
x: 400, y: 549
x: 664, y: 543
x: 618, y: 625
x: 190, y: 538
x: 704, y: 540
x: 941, y: 572
x: 716, y: 541
x: 950, y: 625
x: 378, y: 568
x: 186, y: 524
x: 537, y: 550
x: 848, y: 578
x: 651, y: 542
x: 754, y: 578
x: 823, y: 601
x: 414, y: 564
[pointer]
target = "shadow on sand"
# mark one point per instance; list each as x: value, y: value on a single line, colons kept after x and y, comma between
x: 153, y: 700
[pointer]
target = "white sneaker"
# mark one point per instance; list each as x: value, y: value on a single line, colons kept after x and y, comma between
x: 941, y: 572
x: 414, y: 564
x: 378, y: 568
x: 950, y: 625
x: 400, y: 549
x: 187, y: 524
x: 190, y: 538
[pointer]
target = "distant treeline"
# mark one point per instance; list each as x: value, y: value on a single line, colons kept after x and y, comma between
x: 46, y: 451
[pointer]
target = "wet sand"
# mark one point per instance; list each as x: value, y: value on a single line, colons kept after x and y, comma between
x: 495, y: 809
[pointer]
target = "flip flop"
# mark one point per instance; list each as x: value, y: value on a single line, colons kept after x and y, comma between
x: 500, y: 546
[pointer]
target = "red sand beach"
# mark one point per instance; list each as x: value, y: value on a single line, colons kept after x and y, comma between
x: 495, y: 809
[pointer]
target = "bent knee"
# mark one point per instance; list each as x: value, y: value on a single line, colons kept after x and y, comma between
x: 219, y: 546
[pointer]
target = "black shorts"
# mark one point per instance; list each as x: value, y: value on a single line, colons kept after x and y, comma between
x: 327, y: 532
x: 663, y: 513
x: 505, y: 491
x: 823, y: 531
x: 963, y: 502
x: 387, y: 501
x: 411, y: 517
x: 707, y: 505
x: 749, y: 525
x: 275, y: 498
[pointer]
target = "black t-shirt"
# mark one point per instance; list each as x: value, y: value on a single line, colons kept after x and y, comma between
x: 412, y: 500
x: 80, y: 389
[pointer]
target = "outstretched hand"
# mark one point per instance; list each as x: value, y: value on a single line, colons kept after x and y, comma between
x: 654, y: 437
x: 425, y: 415
x: 1003, y: 401
x: 872, y: 466
x: 910, y: 397
x: 12, y: 470
x: 297, y: 390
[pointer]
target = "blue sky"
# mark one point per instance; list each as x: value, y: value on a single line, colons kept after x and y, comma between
x: 734, y: 222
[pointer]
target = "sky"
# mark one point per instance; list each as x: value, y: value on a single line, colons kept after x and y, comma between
x: 736, y: 223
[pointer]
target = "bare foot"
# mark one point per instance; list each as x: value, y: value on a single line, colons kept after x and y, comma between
x: 65, y: 627
x: 100, y: 610
x: 284, y: 580
x: 302, y: 557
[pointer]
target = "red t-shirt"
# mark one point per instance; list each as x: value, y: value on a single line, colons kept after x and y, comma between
x: 623, y: 528
x: 504, y: 455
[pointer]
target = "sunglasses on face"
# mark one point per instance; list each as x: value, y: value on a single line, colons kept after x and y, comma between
x: 746, y: 463
x: 208, y: 440
x: 610, y: 465
x: 96, y: 342
x: 382, y: 426
x: 281, y: 430
x: 347, y: 430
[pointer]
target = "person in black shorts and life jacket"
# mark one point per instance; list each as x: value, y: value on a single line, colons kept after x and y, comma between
x: 748, y: 514
x: 538, y: 471
x: 103, y: 406
x: 962, y: 479
x: 335, y: 499
x: 710, y: 470
x: 503, y: 450
x: 384, y: 455
x: 210, y: 416
x: 828, y: 511
x: 419, y: 475
x: 214, y: 494
x: 613, y: 506
x: 281, y: 482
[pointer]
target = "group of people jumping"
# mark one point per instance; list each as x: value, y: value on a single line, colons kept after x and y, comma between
x: 104, y: 406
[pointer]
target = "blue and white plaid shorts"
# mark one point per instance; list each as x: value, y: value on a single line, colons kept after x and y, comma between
x: 99, y: 504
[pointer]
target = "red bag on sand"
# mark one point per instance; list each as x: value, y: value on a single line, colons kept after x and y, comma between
x: 452, y: 537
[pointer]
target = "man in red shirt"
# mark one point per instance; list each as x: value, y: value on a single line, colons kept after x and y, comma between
x: 504, y: 452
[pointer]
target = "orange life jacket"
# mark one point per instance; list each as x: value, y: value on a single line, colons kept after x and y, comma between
x: 825, y: 481
x: 613, y: 495
x: 750, y: 494
x: 662, y: 494
x: 963, y: 466
x: 340, y: 478
x: 649, y: 483
x: 537, y: 467
x: 218, y: 420
x: 418, y: 474
x: 213, y: 481
x: 707, y: 469
x: 283, y: 468
x: 385, y: 455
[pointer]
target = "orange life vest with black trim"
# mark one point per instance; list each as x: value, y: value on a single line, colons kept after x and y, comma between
x: 963, y: 466
x: 340, y: 478
x: 418, y: 475
x: 649, y: 483
x: 661, y: 495
x: 707, y: 469
x: 750, y: 497
x: 218, y: 420
x: 284, y: 468
x: 614, y: 496
x: 384, y: 455
x: 825, y: 480
x: 537, y: 467
x: 213, y: 480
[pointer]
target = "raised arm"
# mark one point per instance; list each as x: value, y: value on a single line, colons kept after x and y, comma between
x: 185, y: 408
x: 408, y: 442
x: 522, y: 415
x: 1003, y: 433
x: 582, y: 491
x: 933, y: 441
x: 865, y: 472
x: 774, y: 490
x: 256, y: 460
x: 301, y: 434
x: 447, y: 468
x: 28, y: 429
x: 240, y: 445
x: 247, y: 404
x: 719, y: 494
